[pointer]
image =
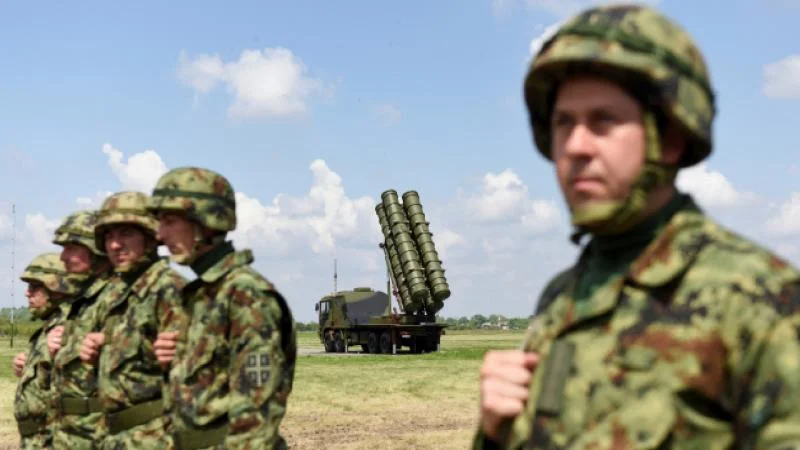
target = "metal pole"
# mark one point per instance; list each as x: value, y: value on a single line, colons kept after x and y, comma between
x: 13, y: 271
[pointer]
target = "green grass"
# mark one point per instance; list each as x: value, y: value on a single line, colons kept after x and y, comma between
x: 362, y: 401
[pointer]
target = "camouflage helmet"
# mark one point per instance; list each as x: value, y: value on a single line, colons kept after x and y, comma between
x: 127, y: 207
x: 627, y: 43
x: 49, y: 270
x: 78, y: 228
x: 203, y: 195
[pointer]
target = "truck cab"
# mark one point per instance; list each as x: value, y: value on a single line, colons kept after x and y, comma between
x: 323, y: 307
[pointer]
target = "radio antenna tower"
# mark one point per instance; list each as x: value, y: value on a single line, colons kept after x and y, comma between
x: 13, y: 271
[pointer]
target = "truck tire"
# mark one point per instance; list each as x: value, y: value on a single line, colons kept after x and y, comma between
x: 418, y: 345
x: 338, y: 343
x: 386, y: 342
x: 372, y: 343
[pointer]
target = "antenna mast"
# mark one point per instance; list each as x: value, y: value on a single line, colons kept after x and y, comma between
x: 13, y: 271
x: 335, y: 276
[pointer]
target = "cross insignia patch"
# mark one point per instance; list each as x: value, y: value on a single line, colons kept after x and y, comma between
x: 257, y: 368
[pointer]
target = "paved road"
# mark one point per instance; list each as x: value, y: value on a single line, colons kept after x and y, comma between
x: 319, y: 351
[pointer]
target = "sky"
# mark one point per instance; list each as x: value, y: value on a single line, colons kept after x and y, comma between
x: 313, y: 109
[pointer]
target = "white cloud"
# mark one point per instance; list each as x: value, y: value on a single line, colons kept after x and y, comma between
x: 202, y: 73
x: 41, y: 228
x: 504, y: 198
x: 140, y: 173
x: 543, y: 216
x: 322, y: 217
x: 782, y: 78
x: 447, y: 239
x: 268, y: 83
x: 538, y: 41
x: 788, y: 219
x: 95, y: 201
x: 711, y: 188
x: 388, y: 114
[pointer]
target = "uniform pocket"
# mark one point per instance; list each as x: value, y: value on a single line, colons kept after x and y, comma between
x: 122, y: 348
x: 206, y: 352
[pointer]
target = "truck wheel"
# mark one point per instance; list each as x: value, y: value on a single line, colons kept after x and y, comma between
x: 433, y: 342
x: 418, y: 345
x: 386, y: 342
x: 328, y: 343
x: 372, y: 343
x: 338, y: 344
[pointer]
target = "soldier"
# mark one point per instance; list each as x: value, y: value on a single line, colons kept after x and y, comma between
x: 233, y: 369
x: 79, y: 422
x: 670, y: 331
x: 48, y: 285
x: 142, y: 299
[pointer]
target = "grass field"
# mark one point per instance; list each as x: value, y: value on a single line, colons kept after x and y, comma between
x: 361, y: 401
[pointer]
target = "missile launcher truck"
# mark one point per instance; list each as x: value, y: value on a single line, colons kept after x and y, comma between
x: 415, y: 278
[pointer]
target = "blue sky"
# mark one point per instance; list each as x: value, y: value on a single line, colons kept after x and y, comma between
x: 403, y: 95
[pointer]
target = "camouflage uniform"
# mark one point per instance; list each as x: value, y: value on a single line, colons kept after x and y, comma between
x: 80, y: 423
x: 668, y: 333
x: 234, y: 367
x: 140, y: 301
x: 33, y: 399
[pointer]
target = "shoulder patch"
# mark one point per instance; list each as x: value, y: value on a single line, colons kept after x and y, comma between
x: 257, y: 369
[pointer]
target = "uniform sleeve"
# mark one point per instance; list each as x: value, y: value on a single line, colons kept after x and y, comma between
x: 172, y: 315
x: 260, y: 371
x: 481, y: 442
x: 45, y: 374
x: 769, y: 402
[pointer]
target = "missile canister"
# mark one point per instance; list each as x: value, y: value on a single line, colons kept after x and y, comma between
x: 430, y: 258
x: 394, y: 262
x: 406, y: 247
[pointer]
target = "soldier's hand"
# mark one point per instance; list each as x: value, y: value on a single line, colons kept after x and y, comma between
x: 19, y: 363
x: 91, y: 346
x: 164, y: 347
x: 54, y: 339
x: 505, y: 376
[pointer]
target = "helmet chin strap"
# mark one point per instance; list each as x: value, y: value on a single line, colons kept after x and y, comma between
x: 188, y: 258
x: 608, y: 217
x: 150, y: 255
x: 48, y: 308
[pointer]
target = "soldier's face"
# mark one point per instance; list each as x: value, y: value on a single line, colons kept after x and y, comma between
x: 176, y: 232
x: 598, y: 139
x: 77, y: 258
x: 37, y: 295
x: 125, y: 244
